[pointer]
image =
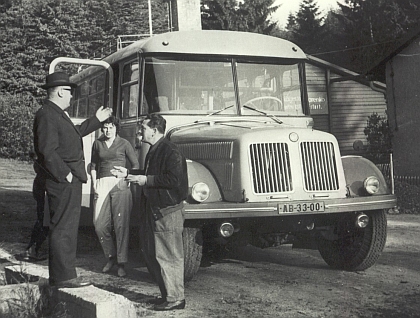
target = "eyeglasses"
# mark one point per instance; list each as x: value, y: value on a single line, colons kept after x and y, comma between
x: 69, y: 89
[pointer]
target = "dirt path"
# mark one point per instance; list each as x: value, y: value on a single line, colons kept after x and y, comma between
x: 250, y: 282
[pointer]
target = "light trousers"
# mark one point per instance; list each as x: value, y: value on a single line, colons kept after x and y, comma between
x: 163, y: 251
x: 112, y: 209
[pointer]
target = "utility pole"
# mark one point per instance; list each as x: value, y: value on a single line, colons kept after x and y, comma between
x: 184, y: 14
x: 150, y: 17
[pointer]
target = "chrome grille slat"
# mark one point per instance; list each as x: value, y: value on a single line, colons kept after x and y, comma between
x: 207, y: 150
x: 227, y: 183
x: 319, y: 166
x: 274, y: 185
x: 270, y: 167
x: 306, y: 175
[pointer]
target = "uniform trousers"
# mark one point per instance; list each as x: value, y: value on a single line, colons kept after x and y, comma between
x: 64, y: 200
x: 163, y: 252
x: 112, y: 209
x: 39, y: 231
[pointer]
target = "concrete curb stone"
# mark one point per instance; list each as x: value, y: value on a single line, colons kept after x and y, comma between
x: 85, y: 302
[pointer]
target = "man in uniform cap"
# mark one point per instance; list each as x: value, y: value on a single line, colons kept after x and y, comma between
x: 59, y: 148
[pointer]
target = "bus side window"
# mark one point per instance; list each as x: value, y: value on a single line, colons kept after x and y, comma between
x: 129, y: 100
x: 130, y: 90
x: 96, y: 94
x: 78, y: 104
x: 151, y: 100
x: 88, y: 97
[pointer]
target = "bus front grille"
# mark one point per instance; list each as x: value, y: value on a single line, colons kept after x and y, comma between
x: 319, y: 166
x: 270, y: 167
x: 207, y: 150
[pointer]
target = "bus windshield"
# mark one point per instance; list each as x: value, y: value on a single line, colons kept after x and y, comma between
x: 205, y: 86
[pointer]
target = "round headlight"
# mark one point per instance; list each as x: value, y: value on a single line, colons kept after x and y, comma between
x: 371, y: 185
x: 200, y: 192
x: 226, y: 229
x: 362, y: 221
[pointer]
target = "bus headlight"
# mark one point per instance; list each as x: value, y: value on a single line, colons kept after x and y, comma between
x: 200, y: 192
x: 371, y: 185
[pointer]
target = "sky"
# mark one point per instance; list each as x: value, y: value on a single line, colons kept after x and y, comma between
x: 288, y: 6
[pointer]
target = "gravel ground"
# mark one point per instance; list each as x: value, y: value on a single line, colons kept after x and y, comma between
x: 274, y: 282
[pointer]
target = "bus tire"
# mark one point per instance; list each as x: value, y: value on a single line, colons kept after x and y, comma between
x: 193, y: 251
x: 355, y: 249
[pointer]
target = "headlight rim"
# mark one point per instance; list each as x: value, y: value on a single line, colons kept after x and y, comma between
x: 195, y: 193
x: 369, y: 185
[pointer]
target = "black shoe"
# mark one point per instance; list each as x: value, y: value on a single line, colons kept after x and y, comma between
x: 72, y: 283
x: 121, y: 271
x: 31, y: 255
x: 168, y: 305
x: 109, y: 265
x: 156, y: 301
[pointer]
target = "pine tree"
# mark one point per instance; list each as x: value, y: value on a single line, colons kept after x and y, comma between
x: 372, y: 26
x: 306, y: 27
x: 247, y: 15
x: 219, y: 14
x: 35, y: 32
x: 255, y: 16
x: 129, y: 17
x: 334, y: 45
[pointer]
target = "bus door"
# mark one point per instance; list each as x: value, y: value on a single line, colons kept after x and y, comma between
x: 89, y: 96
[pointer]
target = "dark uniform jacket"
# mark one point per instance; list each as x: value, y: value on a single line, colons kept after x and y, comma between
x: 58, y: 142
x: 167, y: 178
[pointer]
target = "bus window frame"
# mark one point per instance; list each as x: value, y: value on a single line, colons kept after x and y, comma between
x: 233, y: 61
x: 105, y: 65
x: 130, y: 83
x: 142, y: 63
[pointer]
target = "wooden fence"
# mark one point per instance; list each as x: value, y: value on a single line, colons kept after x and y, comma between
x: 386, y: 171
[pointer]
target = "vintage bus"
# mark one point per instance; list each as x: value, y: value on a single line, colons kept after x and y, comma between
x: 236, y: 105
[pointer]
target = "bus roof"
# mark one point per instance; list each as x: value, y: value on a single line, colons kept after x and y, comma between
x: 213, y: 42
x: 207, y: 42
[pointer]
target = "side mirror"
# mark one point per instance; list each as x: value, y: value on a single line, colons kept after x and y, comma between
x: 138, y: 142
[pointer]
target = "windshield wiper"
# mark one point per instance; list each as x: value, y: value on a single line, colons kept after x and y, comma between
x: 264, y: 113
x: 220, y: 110
x: 214, y: 113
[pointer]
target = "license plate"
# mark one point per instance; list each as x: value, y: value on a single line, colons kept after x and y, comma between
x: 301, y: 207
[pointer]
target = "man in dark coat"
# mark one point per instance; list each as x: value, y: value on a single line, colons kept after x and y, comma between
x: 59, y: 147
x: 165, y: 187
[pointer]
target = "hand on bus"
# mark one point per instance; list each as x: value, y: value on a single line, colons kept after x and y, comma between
x: 103, y: 113
x: 119, y: 172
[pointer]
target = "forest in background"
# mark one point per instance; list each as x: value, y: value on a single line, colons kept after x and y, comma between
x: 34, y: 32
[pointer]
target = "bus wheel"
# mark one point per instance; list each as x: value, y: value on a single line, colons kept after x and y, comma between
x: 193, y: 251
x: 355, y: 249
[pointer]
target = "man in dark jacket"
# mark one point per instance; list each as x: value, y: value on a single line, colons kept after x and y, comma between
x: 59, y: 148
x: 165, y: 187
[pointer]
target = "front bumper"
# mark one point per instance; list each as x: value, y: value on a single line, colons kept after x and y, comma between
x: 248, y: 210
